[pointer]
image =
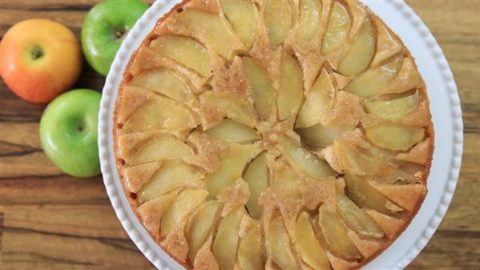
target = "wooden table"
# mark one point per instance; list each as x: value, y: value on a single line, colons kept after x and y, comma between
x: 49, y: 220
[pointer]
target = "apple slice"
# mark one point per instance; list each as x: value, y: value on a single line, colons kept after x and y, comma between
x: 336, y: 236
x: 309, y: 23
x: 393, y: 109
x: 356, y: 218
x: 212, y: 28
x: 231, y: 167
x: 338, y: 27
x: 306, y: 162
x: 270, y: 265
x: 318, y: 101
x: 235, y: 108
x: 160, y: 113
x: 225, y: 245
x: 256, y: 176
x: 361, y: 52
x: 278, y: 245
x: 184, y: 50
x: 389, y: 45
x: 243, y: 16
x: 151, y: 212
x: 278, y: 17
x: 172, y: 175
x: 250, y: 249
x: 321, y: 136
x: 374, y: 81
x: 164, y: 81
x: 308, y: 246
x: 231, y: 131
x: 363, y: 194
x: 185, y: 203
x: 200, y: 226
x: 406, y: 196
x: 395, y: 137
x: 358, y: 160
x: 162, y: 147
x: 290, y: 92
x: 262, y: 88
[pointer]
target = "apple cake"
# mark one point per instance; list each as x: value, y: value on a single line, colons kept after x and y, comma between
x: 273, y: 134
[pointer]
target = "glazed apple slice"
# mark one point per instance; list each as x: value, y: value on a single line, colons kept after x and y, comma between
x: 336, y: 236
x: 361, y: 52
x: 235, y: 108
x: 160, y: 113
x: 172, y: 175
x: 161, y: 147
x: 256, y: 176
x: 270, y: 265
x: 243, y: 16
x: 151, y: 212
x: 308, y: 246
x: 231, y: 167
x: 309, y: 23
x: 225, y: 245
x: 290, y: 92
x: 306, y: 162
x: 338, y: 27
x: 164, y: 81
x: 262, y: 88
x: 186, y: 51
x: 318, y: 101
x: 278, y: 17
x: 231, y: 131
x: 357, y: 160
x: 395, y: 137
x: 200, y: 226
x: 321, y: 136
x: 250, y: 249
x: 185, y: 203
x: 393, y: 109
x: 360, y: 191
x: 277, y: 244
x: 356, y: 218
x: 372, y: 82
x: 212, y: 28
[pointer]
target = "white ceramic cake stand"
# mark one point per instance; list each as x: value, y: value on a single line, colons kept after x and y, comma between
x: 445, y: 108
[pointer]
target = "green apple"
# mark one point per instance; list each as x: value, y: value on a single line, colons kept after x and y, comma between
x: 104, y: 29
x: 68, y: 132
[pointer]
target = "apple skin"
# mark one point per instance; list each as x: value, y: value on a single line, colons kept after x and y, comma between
x: 68, y: 132
x: 104, y: 29
x: 39, y: 59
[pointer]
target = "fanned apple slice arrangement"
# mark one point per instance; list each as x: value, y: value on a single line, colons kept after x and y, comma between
x: 273, y: 134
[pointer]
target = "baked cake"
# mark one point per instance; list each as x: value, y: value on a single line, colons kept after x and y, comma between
x: 273, y: 134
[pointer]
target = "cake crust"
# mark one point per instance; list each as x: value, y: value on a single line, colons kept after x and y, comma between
x: 280, y: 198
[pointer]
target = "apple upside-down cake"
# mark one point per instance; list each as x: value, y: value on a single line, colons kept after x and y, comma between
x: 273, y: 134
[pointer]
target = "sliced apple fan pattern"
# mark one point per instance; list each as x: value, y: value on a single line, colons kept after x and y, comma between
x: 274, y: 134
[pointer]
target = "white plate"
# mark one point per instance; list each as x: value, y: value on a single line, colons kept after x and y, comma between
x: 445, y: 108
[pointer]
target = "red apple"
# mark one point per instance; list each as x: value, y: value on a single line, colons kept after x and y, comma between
x: 39, y: 59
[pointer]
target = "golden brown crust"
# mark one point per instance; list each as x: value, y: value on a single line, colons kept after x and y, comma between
x: 208, y: 154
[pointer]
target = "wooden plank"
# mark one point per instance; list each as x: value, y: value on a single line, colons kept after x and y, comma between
x: 25, y: 249
x: 73, y: 220
x: 450, y: 250
x: 49, y: 220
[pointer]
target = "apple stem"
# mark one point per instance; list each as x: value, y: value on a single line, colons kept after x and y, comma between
x: 37, y: 53
x: 119, y: 33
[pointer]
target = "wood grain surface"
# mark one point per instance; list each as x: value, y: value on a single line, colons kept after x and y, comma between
x: 49, y: 220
